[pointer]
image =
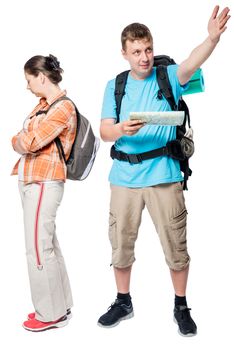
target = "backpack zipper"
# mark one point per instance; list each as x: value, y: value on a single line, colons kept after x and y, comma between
x: 86, y: 135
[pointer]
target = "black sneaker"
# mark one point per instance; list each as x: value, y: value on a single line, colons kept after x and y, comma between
x: 187, y: 327
x: 118, y: 311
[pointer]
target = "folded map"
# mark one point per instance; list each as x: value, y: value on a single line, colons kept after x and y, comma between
x: 159, y: 118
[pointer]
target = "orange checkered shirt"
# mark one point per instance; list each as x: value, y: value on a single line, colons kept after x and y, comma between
x: 42, y: 162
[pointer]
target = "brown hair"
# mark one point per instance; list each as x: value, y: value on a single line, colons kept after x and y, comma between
x: 135, y: 31
x: 49, y: 65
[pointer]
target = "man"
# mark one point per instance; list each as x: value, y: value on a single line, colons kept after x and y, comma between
x: 155, y: 183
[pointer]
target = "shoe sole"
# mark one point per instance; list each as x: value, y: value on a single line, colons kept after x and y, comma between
x: 184, y: 335
x: 57, y: 325
x: 69, y: 316
x: 127, y: 317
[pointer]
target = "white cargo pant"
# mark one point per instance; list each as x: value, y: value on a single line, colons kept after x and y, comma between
x: 50, y: 287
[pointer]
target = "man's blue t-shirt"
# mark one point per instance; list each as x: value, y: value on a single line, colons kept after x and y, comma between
x: 141, y: 95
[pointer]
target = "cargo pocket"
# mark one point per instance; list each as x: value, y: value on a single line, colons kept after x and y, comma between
x: 178, y: 225
x: 112, y: 231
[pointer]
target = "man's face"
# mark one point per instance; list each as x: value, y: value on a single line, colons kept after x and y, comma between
x: 139, y: 54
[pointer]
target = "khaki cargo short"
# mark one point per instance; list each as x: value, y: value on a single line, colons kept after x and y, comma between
x: 166, y: 207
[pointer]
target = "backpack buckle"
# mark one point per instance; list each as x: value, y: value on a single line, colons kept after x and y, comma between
x: 134, y: 158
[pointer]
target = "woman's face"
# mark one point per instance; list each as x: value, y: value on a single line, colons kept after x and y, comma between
x: 35, y: 84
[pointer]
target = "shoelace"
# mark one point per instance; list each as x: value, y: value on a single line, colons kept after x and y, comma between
x: 115, y: 304
x: 184, y: 313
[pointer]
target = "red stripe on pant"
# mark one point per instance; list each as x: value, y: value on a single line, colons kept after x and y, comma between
x: 39, y: 265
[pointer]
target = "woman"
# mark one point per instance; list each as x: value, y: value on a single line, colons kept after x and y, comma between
x: 41, y: 176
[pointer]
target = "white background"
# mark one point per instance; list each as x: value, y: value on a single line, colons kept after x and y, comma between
x: 85, y: 36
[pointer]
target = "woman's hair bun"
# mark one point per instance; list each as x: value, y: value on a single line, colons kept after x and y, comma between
x: 53, y: 63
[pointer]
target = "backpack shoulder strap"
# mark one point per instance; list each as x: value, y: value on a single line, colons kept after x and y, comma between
x: 165, y: 86
x: 57, y: 139
x: 55, y: 102
x: 62, y: 99
x: 120, y: 83
x: 163, y: 82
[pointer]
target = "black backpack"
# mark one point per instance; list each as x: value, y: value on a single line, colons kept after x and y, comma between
x: 84, y: 148
x: 180, y: 149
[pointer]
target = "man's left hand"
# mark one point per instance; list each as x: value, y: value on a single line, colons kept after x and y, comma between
x: 217, y: 23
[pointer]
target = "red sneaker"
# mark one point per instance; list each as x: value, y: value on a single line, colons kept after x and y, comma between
x: 32, y: 315
x: 37, y: 326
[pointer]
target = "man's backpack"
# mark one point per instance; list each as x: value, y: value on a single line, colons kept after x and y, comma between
x: 84, y: 148
x: 180, y: 149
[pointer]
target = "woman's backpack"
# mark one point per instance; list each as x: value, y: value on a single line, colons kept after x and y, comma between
x: 84, y: 148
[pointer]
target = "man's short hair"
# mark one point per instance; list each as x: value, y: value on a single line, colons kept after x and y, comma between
x: 135, y: 31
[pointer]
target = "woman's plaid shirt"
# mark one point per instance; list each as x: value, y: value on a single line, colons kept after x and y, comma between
x: 42, y: 162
